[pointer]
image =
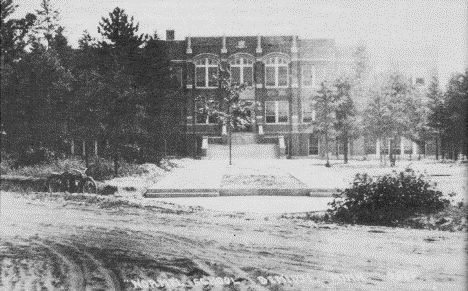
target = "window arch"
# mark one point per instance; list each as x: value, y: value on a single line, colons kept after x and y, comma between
x: 241, y: 67
x: 276, y: 71
x: 206, y: 71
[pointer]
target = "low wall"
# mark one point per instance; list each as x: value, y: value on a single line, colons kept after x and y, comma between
x: 23, y: 184
x: 34, y: 184
x: 263, y: 192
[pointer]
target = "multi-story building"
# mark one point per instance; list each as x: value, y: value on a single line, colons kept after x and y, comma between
x: 281, y: 74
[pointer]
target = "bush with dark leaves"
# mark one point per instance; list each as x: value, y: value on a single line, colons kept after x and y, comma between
x: 35, y: 156
x: 131, y: 153
x: 387, y: 200
x: 101, y: 170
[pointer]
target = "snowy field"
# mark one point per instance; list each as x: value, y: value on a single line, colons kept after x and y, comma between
x: 448, y: 177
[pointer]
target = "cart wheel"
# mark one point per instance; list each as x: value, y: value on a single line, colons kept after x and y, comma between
x: 89, y: 186
x: 55, y: 184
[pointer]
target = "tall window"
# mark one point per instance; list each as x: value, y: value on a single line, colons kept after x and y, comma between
x: 384, y: 146
x: 339, y: 148
x: 320, y: 75
x: 202, y: 116
x: 308, y: 110
x: 276, y: 72
x: 206, y: 71
x: 242, y: 71
x: 176, y: 75
x: 370, y: 146
x: 313, y: 145
x: 308, y: 76
x: 276, y: 111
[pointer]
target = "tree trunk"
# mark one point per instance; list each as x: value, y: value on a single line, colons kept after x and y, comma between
x: 437, y: 149
x: 345, y: 149
x: 116, y: 164
x: 390, y: 153
x: 452, y: 150
x: 326, y: 149
x: 442, y: 149
x: 115, y: 156
x: 86, y: 155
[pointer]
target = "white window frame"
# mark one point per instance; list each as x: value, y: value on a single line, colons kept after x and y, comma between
x: 308, y: 146
x: 314, y: 78
x: 178, y: 71
x: 244, y: 63
x: 314, y: 115
x: 276, y: 112
x: 276, y: 65
x: 205, y: 64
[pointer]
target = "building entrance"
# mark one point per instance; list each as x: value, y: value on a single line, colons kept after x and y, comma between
x: 244, y: 118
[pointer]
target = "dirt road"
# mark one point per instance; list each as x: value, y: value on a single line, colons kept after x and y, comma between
x: 50, y: 244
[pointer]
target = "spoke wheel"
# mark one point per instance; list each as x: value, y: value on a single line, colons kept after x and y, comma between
x: 55, y: 184
x: 89, y: 186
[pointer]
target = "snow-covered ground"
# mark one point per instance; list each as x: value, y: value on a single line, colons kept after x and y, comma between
x: 48, y: 243
x: 252, y: 204
x: 449, y: 178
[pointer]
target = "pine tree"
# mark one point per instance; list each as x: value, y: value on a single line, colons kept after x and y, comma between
x: 456, y: 104
x: 392, y: 112
x: 437, y: 116
x: 345, y: 124
x: 46, y: 26
x: 119, y: 68
x: 325, y: 102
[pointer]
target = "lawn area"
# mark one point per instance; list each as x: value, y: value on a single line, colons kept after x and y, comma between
x: 448, y: 177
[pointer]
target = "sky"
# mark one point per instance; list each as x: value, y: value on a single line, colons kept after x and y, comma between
x: 402, y: 32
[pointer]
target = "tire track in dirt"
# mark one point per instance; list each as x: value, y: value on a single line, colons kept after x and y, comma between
x: 111, y: 282
x: 74, y: 278
x: 96, y: 276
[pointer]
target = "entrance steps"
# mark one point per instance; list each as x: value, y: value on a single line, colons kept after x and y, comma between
x: 242, y: 151
x: 243, y: 138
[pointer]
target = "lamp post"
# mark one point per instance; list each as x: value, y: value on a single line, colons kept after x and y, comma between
x: 230, y: 134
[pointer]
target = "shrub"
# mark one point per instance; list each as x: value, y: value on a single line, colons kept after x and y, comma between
x: 101, y: 170
x: 6, y: 163
x: 35, y: 156
x: 104, y: 170
x: 107, y: 190
x: 131, y: 153
x: 386, y: 200
x: 129, y: 169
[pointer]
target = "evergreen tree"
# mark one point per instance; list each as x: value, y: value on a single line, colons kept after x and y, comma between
x: 119, y: 68
x: 437, y: 114
x: 393, y: 112
x: 456, y: 103
x: 325, y: 101
x: 33, y: 97
x: 345, y: 125
x: 46, y: 25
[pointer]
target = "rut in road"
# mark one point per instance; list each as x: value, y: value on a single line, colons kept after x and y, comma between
x: 46, y: 265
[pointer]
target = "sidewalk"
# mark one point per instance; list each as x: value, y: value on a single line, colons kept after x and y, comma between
x: 196, y: 180
x: 211, y: 178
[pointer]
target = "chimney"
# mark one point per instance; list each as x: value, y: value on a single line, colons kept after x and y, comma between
x: 170, y: 35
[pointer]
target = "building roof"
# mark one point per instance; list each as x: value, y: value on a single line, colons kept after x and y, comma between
x: 316, y: 48
x: 308, y: 48
x: 176, y: 49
